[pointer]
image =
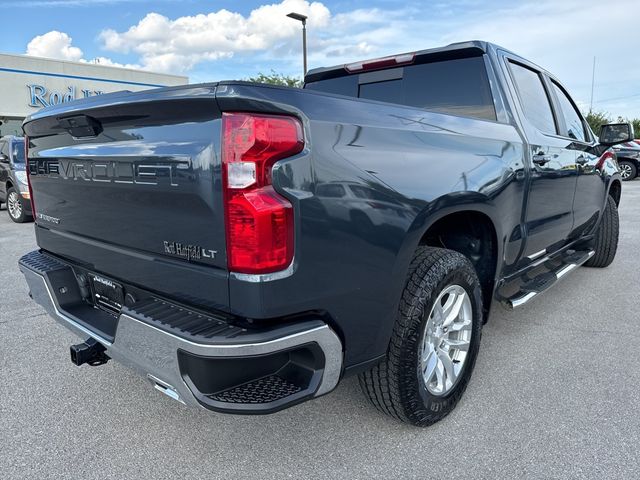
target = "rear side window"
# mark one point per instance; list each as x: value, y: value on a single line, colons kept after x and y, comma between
x: 572, y: 120
x: 457, y: 87
x: 533, y: 98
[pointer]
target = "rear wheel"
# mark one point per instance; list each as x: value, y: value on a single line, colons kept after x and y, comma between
x: 434, y: 343
x: 605, y: 243
x: 628, y: 170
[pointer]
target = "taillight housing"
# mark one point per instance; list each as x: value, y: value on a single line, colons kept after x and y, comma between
x: 27, y: 163
x: 259, y: 221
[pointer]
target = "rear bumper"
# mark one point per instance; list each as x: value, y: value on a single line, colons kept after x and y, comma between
x: 192, y: 357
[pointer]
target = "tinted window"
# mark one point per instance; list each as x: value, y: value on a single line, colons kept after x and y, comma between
x: 533, y: 98
x: 340, y: 86
x: 17, y: 152
x: 457, y: 87
x: 575, y: 127
x: 389, y: 91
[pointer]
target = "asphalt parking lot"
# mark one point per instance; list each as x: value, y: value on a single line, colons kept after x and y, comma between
x: 555, y: 394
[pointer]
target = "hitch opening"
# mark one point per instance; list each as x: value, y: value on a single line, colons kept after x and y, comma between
x: 91, y: 352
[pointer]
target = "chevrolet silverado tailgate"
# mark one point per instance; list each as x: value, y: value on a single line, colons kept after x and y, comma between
x: 129, y: 185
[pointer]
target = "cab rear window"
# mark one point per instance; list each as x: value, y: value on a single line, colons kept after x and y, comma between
x: 456, y: 87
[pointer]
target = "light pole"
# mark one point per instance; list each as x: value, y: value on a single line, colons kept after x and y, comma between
x: 593, y: 79
x: 303, y: 19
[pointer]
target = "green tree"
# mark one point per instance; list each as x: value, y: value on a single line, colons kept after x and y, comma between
x: 277, y: 79
x: 596, y: 120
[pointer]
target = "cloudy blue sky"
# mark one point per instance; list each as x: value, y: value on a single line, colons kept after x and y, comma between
x: 223, y: 39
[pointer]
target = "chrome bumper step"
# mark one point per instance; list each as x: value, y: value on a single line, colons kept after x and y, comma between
x: 193, y: 357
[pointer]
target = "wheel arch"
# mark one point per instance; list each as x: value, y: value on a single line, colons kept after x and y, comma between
x: 471, y: 232
x: 615, y: 191
x: 471, y: 209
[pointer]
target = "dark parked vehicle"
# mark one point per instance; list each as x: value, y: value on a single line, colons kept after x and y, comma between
x: 14, y: 190
x: 628, y: 155
x: 194, y: 232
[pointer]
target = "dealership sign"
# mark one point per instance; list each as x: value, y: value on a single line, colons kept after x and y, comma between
x: 40, y: 96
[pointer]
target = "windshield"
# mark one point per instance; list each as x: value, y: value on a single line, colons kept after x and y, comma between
x: 17, y: 152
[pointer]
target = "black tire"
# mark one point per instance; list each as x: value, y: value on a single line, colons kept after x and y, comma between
x: 396, y: 385
x: 628, y: 170
x: 605, y: 243
x: 15, y: 207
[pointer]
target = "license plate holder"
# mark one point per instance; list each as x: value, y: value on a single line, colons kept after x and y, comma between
x: 107, y: 294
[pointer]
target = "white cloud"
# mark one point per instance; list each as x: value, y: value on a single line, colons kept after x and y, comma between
x: 58, y: 45
x: 54, y: 44
x: 178, y: 45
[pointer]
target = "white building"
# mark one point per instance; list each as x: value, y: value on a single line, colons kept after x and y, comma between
x: 30, y: 83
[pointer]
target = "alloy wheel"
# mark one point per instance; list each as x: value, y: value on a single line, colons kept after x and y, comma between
x: 14, y: 206
x: 625, y: 171
x: 446, y: 340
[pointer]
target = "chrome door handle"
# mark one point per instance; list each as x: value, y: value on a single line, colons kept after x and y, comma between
x: 541, y: 159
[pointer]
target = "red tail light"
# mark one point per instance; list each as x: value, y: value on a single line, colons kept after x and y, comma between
x: 26, y: 159
x: 259, y: 222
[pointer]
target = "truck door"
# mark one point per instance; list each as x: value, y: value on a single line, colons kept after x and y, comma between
x: 548, y: 218
x: 590, y: 187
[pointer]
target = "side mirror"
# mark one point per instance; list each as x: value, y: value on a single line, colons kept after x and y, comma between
x: 614, y: 133
x: 4, y: 158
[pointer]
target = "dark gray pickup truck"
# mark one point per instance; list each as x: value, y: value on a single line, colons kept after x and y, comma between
x: 246, y: 246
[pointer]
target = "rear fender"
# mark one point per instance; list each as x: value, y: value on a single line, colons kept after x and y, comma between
x: 439, y: 208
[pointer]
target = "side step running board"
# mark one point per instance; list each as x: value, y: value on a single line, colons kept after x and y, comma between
x: 541, y: 283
